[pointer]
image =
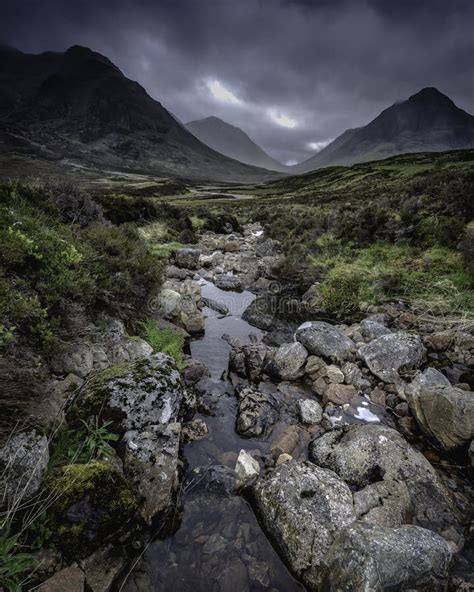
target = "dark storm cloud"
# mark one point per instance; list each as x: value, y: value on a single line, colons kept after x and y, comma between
x: 323, y: 66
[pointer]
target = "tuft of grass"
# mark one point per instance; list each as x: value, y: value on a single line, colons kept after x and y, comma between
x: 14, y: 563
x: 165, y: 340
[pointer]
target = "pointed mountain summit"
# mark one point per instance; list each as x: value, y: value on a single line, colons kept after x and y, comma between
x: 233, y: 142
x: 428, y: 121
x: 78, y: 106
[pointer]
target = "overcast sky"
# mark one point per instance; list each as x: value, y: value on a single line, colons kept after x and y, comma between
x: 293, y: 74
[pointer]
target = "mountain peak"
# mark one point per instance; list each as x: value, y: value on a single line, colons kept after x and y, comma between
x: 429, y: 94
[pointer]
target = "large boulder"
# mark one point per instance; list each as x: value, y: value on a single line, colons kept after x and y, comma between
x: 89, y: 503
x: 228, y: 281
x: 365, y: 454
x: 303, y: 507
x: 288, y: 361
x: 76, y: 358
x: 366, y: 557
x: 24, y: 460
x: 250, y: 361
x: 371, y: 329
x: 257, y: 412
x: 135, y: 395
x: 389, y: 354
x: 323, y: 339
x: 443, y: 412
x: 151, y: 464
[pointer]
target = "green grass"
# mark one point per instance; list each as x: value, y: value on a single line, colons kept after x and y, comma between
x: 165, y: 340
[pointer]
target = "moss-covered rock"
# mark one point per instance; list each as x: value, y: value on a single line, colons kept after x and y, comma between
x: 135, y: 395
x: 92, y: 502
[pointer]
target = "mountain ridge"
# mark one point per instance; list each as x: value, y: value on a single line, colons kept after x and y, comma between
x: 233, y: 142
x: 428, y: 121
x: 78, y: 105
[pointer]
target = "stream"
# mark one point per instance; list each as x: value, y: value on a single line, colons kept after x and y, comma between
x: 219, y: 545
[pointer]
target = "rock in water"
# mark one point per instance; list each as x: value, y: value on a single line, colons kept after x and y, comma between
x: 24, y: 460
x: 246, y: 467
x: 310, y: 411
x: 322, y: 339
x: 444, y: 412
x: 133, y: 396
x: 388, y: 354
x: 366, y: 557
x: 288, y: 362
x: 151, y: 463
x: 366, y: 454
x: 257, y: 412
x: 303, y: 507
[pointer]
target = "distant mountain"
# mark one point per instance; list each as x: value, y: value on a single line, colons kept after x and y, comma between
x: 426, y: 122
x: 233, y: 142
x: 78, y: 106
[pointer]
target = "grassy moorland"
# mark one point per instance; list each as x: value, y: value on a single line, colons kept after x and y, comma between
x: 400, y: 228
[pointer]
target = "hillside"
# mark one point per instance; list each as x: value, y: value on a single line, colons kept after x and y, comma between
x: 428, y: 121
x: 233, y: 142
x: 78, y: 106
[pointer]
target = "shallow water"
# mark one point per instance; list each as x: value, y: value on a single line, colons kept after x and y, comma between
x: 219, y: 545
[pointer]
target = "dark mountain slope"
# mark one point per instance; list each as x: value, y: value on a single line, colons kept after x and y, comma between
x: 426, y: 122
x: 78, y: 106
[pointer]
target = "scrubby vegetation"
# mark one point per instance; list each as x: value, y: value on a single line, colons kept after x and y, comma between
x: 165, y: 340
x: 398, y: 229
x: 62, y: 262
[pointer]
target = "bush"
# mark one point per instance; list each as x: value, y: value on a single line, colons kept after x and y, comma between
x: 165, y: 340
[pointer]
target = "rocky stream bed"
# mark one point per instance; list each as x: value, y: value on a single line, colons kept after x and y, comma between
x: 287, y: 455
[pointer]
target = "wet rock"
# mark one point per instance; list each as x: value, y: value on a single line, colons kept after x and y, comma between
x: 365, y: 454
x: 371, y: 329
x: 368, y: 557
x: 150, y: 462
x: 288, y: 361
x: 322, y: 339
x: 386, y: 356
x: 257, y: 412
x: 385, y: 503
x: 192, y: 321
x: 196, y: 429
x: 303, y: 507
x: 83, y: 515
x: 310, y: 412
x: 444, y: 412
x: 228, y: 281
x: 24, y: 460
x: 339, y: 394
x: 215, y: 479
x: 71, y: 579
x: 194, y: 371
x: 286, y: 441
x: 219, y: 307
x: 249, y: 361
x: 187, y: 258
x: 136, y: 395
x: 258, y: 314
x: 78, y: 359
x: 247, y: 467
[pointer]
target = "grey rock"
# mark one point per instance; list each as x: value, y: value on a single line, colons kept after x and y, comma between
x: 257, y: 412
x: 303, y: 507
x: 78, y: 359
x: 187, y: 258
x: 169, y: 303
x: 365, y: 454
x: 371, y: 329
x: 24, y: 460
x: 322, y: 339
x: 442, y: 411
x: 366, y: 558
x: 288, y: 361
x: 249, y: 361
x: 71, y: 579
x: 389, y: 354
x: 177, y: 273
x: 214, y: 305
x: 265, y: 248
x: 136, y: 395
x: 151, y: 462
x: 246, y: 467
x: 101, y: 568
x: 129, y: 350
x: 386, y: 503
x: 310, y: 411
x: 227, y: 281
